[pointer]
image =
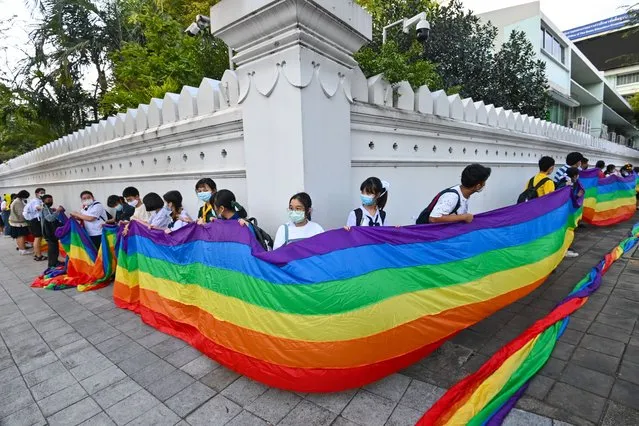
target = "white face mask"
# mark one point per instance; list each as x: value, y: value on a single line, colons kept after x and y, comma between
x: 133, y: 203
x: 87, y: 203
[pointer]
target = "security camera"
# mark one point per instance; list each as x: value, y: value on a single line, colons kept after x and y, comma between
x: 192, y: 30
x: 202, y: 21
x: 423, y: 30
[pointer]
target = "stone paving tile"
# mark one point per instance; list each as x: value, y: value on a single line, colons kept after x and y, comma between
x: 588, y: 405
x: 603, y: 345
x: 421, y: 396
x: 52, y: 385
x: 138, y: 362
x: 188, y: 399
x: 307, y: 413
x: 629, y: 371
x: 216, y: 411
x: 29, y: 415
x: 99, y: 420
x: 595, y: 361
x: 391, y: 387
x: 274, y: 405
x: 43, y: 373
x: 368, y: 409
x: 159, y: 415
x: 245, y: 419
x: 62, y: 399
x: 334, y: 401
x: 522, y: 418
x: 200, y: 367
x: 183, y: 356
x: 618, y: 414
x: 243, y: 391
x: 88, y: 369
x: 626, y: 393
x: 153, y: 373
x: 116, y: 392
x: 102, y: 380
x: 130, y: 407
x: 75, y: 413
x: 588, y: 380
x: 168, y: 386
x: 403, y: 416
x: 219, y: 378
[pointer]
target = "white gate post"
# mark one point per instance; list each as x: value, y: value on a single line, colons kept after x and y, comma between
x: 293, y: 60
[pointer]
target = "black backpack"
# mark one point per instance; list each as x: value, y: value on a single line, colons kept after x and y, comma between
x: 424, y: 216
x: 263, y: 238
x: 531, y: 192
x: 359, y: 215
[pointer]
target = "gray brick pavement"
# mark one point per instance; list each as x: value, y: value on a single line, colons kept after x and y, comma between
x: 74, y: 358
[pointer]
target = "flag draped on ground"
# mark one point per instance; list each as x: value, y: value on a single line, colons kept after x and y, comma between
x: 608, y: 200
x: 85, y: 268
x: 487, y: 396
x: 343, y: 308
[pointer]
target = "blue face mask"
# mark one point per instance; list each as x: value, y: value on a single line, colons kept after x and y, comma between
x: 367, y: 200
x: 296, y: 216
x: 119, y: 208
x: 167, y: 209
x: 204, y: 196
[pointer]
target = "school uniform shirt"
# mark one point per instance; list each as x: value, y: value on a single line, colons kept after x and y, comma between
x: 367, y: 219
x: 206, y: 212
x: 141, y: 213
x: 183, y: 219
x: 30, y: 211
x: 96, y: 210
x: 4, y: 206
x: 295, y: 233
x: 447, y: 202
x: 546, y: 188
x: 160, y: 219
x: 560, y: 174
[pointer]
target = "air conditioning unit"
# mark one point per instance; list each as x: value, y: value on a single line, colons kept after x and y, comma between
x: 612, y: 136
x: 604, y: 131
x: 583, y: 124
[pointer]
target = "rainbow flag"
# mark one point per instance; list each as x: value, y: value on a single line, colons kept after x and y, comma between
x: 344, y: 308
x: 85, y: 268
x: 488, y: 395
x: 609, y: 200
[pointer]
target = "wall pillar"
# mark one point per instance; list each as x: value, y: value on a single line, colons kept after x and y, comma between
x: 294, y: 59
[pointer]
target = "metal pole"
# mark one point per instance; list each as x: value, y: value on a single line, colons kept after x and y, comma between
x: 401, y: 21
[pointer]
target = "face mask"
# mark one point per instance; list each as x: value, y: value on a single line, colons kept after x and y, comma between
x: 204, y: 196
x: 167, y: 208
x: 87, y: 203
x: 133, y: 203
x: 39, y: 195
x: 367, y: 200
x: 296, y: 216
x: 119, y: 208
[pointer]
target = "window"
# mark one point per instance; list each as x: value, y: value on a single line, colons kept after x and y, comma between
x: 628, y: 78
x: 553, y: 46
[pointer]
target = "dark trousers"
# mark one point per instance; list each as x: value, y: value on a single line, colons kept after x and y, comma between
x: 53, y: 251
x: 97, y: 240
x: 5, y: 219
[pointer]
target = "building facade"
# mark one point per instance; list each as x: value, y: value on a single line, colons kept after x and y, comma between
x: 612, y: 45
x: 580, y: 96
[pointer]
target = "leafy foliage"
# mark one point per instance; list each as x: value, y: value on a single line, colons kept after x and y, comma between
x: 458, y: 56
x: 518, y: 80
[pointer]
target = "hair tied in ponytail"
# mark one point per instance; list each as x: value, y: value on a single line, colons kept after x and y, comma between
x: 236, y: 206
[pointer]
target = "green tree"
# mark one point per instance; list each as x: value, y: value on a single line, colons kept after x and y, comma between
x: 462, y: 48
x: 518, y: 80
x: 157, y: 56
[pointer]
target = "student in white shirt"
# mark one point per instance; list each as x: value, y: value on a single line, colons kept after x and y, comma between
x: 132, y: 197
x: 374, y: 195
x: 451, y: 204
x: 178, y: 214
x: 159, y: 215
x: 93, y: 216
x: 32, y: 213
x: 300, y: 225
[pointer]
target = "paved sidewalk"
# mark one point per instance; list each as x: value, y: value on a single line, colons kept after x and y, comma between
x: 71, y: 358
